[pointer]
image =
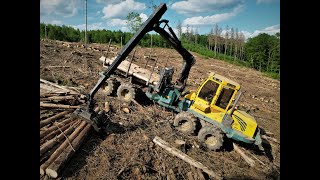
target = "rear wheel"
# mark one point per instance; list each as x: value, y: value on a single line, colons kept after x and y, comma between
x: 211, y: 137
x: 126, y: 92
x: 109, y: 87
x: 185, y: 122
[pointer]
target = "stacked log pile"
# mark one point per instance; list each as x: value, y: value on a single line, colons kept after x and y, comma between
x: 60, y: 134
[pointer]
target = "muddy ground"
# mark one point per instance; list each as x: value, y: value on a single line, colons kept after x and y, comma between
x: 127, y: 150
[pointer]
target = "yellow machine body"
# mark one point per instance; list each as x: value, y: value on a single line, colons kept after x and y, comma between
x: 214, y: 99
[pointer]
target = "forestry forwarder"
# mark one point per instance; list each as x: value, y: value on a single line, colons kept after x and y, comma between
x: 211, y: 107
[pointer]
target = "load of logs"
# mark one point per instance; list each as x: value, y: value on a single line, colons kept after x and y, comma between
x: 60, y: 133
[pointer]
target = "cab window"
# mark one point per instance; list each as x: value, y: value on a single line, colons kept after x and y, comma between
x: 224, y: 97
x: 208, y: 91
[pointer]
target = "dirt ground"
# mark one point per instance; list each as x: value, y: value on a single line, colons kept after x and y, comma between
x: 127, y: 151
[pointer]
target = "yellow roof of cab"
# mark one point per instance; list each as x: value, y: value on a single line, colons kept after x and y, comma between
x: 222, y: 78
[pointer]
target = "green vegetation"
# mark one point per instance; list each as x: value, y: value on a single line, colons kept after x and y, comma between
x: 261, y: 52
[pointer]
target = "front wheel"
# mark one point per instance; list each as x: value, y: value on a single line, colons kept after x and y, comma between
x: 211, y: 137
x: 185, y: 122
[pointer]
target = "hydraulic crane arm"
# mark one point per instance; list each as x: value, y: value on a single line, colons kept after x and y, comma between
x: 152, y: 23
x: 188, y: 58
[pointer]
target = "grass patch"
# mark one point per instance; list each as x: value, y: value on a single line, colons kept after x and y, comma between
x: 272, y: 75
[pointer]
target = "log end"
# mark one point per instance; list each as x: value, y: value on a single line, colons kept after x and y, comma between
x: 51, y: 173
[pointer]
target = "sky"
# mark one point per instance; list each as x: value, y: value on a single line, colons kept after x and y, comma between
x: 250, y: 17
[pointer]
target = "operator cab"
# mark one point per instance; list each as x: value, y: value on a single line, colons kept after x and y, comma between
x: 216, y: 94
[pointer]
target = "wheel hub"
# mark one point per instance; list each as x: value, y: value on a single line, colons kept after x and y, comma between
x: 211, y: 141
x: 185, y: 126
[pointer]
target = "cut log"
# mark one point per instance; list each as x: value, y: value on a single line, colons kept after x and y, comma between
x: 57, y: 98
x: 57, y: 132
x: 47, y: 155
x: 135, y: 70
x: 53, y: 128
x: 44, y: 88
x: 54, y: 169
x: 250, y: 161
x: 49, y: 105
x: 174, y: 151
x: 55, y: 117
x: 43, y: 95
x: 57, y: 86
x: 63, y: 146
x: 49, y: 144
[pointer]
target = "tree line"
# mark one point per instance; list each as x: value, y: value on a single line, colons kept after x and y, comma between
x: 67, y: 33
x: 261, y: 52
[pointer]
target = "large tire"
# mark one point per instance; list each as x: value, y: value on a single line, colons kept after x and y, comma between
x: 185, y: 122
x: 211, y: 137
x: 126, y: 92
x: 109, y: 87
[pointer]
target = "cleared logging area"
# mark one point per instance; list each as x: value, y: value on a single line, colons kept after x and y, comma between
x: 127, y: 150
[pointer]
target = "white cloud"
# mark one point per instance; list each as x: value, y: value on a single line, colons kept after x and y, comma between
x: 264, y: 1
x: 210, y: 20
x: 122, y: 9
x: 268, y: 30
x: 125, y: 29
x: 108, y: 1
x: 116, y: 22
x: 144, y: 17
x: 93, y: 26
x: 57, y: 22
x: 65, y: 8
x: 190, y: 7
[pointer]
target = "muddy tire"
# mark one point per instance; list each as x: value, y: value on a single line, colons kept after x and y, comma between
x: 211, y: 137
x: 185, y: 122
x: 109, y: 87
x: 126, y: 92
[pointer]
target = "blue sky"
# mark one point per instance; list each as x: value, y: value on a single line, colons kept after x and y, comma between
x: 251, y: 17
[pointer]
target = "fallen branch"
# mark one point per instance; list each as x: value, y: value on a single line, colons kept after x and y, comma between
x: 270, y: 139
x: 243, y: 155
x: 58, y: 67
x: 49, y: 105
x: 174, y: 151
x: 258, y: 159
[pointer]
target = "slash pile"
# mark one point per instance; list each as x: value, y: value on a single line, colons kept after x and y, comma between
x: 60, y: 134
